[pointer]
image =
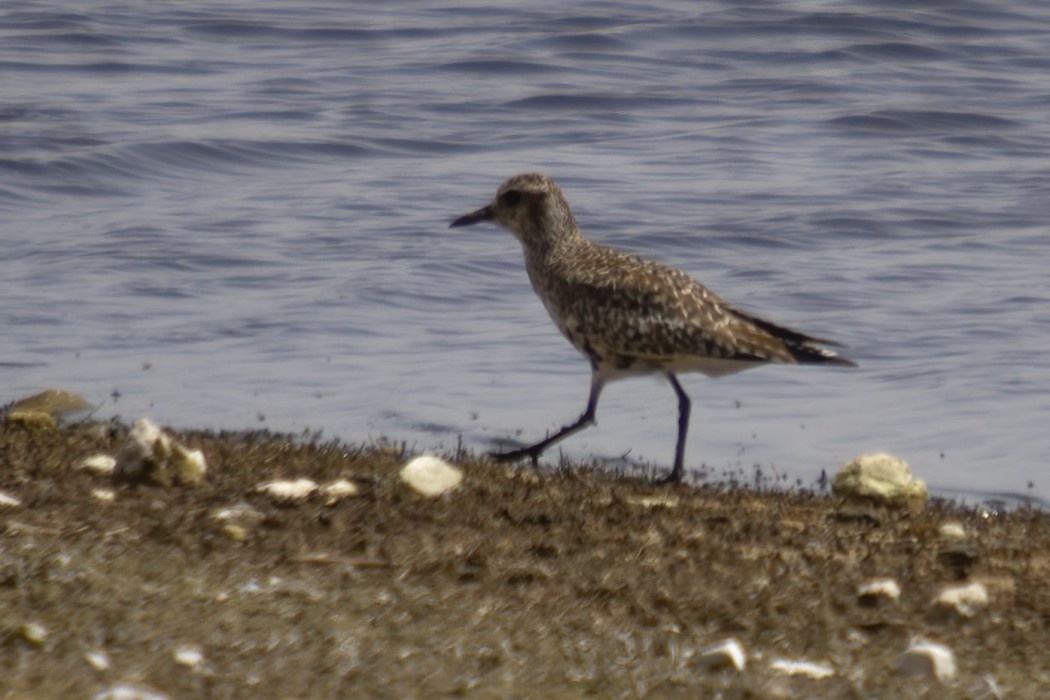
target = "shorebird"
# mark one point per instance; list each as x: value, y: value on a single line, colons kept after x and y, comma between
x: 630, y: 316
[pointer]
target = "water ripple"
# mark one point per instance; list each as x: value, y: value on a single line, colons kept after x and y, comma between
x: 922, y: 122
x: 256, y: 202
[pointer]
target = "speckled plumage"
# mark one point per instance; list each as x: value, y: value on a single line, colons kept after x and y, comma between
x: 629, y: 315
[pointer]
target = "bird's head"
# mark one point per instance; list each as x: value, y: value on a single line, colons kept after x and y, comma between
x: 531, y: 206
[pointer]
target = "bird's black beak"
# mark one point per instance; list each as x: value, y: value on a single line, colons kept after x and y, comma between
x: 483, y: 214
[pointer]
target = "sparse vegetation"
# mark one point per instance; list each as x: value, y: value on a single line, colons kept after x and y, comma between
x: 576, y: 582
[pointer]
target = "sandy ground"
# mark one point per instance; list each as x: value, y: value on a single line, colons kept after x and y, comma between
x: 567, y: 582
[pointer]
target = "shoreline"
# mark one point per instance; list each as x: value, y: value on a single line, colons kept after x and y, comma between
x: 518, y: 582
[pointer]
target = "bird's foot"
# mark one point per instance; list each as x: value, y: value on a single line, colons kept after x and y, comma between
x: 672, y: 479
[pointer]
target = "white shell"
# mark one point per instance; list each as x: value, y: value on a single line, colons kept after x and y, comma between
x: 431, y: 476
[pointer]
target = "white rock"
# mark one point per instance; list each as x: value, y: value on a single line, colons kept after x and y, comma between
x: 885, y: 588
x: 963, y: 599
x: 98, y: 659
x: 9, y: 501
x: 128, y: 691
x: 100, y: 464
x: 144, y: 440
x: 34, y: 633
x: 237, y: 520
x: 809, y: 669
x: 288, y: 490
x: 335, y: 491
x: 928, y: 659
x: 104, y: 495
x: 237, y: 533
x: 237, y: 513
x: 188, y: 655
x: 952, y: 531
x: 152, y: 455
x: 431, y: 476
x: 882, y: 478
x: 188, y: 465
x: 726, y: 654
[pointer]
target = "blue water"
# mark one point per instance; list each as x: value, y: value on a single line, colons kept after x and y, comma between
x: 234, y: 215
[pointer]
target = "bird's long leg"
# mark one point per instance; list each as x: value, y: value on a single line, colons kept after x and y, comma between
x: 684, y: 408
x: 587, y: 418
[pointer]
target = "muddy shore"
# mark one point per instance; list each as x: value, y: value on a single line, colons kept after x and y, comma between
x: 569, y: 581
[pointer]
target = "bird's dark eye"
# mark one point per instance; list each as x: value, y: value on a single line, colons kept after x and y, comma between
x: 511, y: 198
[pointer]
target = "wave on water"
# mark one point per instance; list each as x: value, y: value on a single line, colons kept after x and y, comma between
x: 922, y: 122
x: 258, y: 194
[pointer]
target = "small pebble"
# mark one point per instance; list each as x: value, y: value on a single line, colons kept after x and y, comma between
x: 100, y: 464
x: 237, y: 513
x: 431, y: 476
x: 34, y: 633
x: 188, y: 655
x: 128, y: 691
x: 809, y: 669
x: 963, y: 599
x: 335, y: 491
x: 187, y: 466
x: 288, y: 491
x: 104, y: 495
x: 98, y: 659
x: 237, y: 533
x: 871, y: 592
x: 928, y: 659
x: 952, y: 531
x: 9, y: 501
x: 725, y: 654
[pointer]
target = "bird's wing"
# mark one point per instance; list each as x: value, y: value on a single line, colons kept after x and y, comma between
x: 640, y: 308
